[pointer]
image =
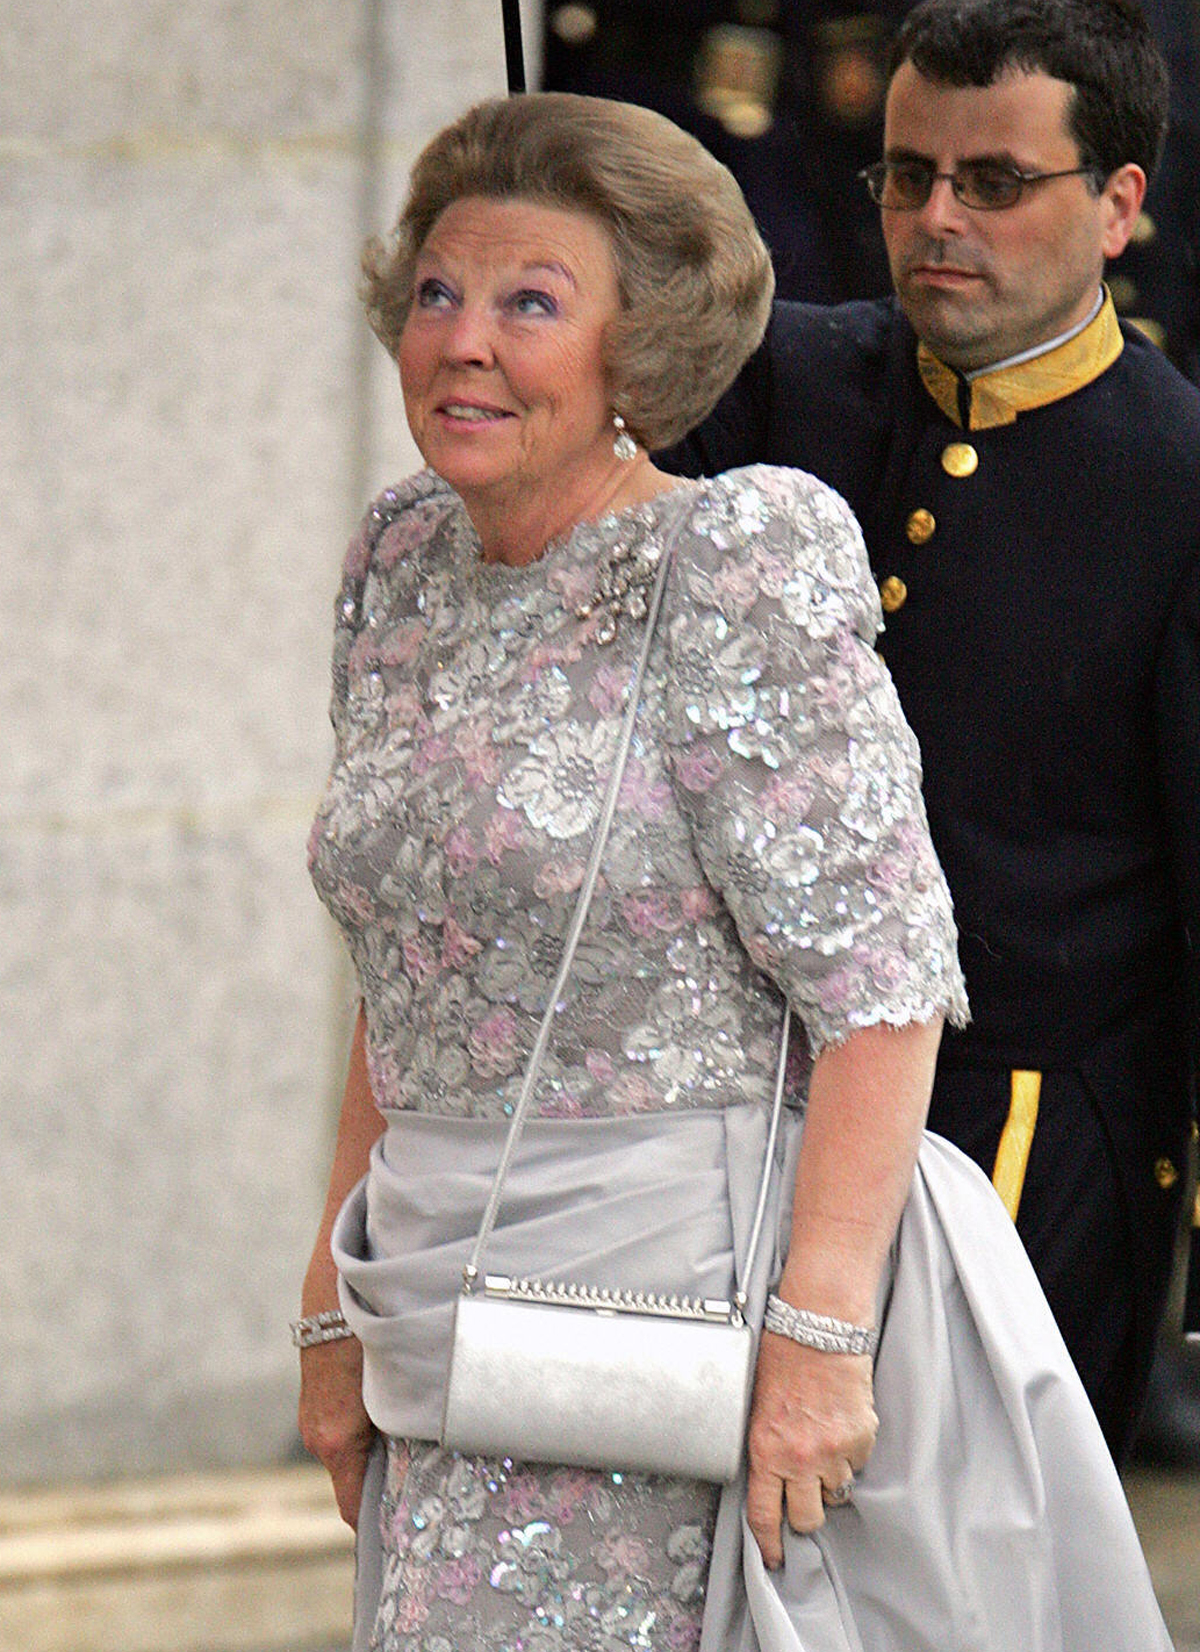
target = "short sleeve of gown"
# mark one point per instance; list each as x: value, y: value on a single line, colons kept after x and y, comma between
x: 401, y: 521
x: 347, y: 621
x: 793, y: 761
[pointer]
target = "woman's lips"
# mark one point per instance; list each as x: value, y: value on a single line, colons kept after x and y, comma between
x: 472, y: 413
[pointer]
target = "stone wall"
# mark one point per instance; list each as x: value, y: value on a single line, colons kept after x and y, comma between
x: 192, y: 416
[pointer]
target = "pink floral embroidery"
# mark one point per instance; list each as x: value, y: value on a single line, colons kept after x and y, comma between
x: 409, y: 531
x: 492, y: 1044
x: 698, y: 904
x: 433, y: 751
x: 404, y: 707
x: 565, y: 1105
x: 402, y: 646
x: 773, y: 574
x: 358, y: 555
x: 630, y: 1094
x: 574, y: 585
x: 458, y: 948
x: 619, y: 1552
x: 608, y: 690
x: 888, y: 873
x: 649, y: 798
x: 462, y: 852
x: 412, y: 1598
x: 523, y: 1498
x: 699, y: 768
x: 473, y: 746
x: 649, y: 914
x: 550, y: 654
x: 561, y: 877
x: 600, y: 1064
x: 736, y: 586
x: 419, y: 962
x: 683, y: 1632
x: 763, y: 953
x: 837, y: 990
x: 567, y: 1493
x: 456, y: 1581
x: 504, y: 831
x: 787, y: 797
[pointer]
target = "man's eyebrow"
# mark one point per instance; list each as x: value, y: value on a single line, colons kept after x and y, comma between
x: 1003, y: 157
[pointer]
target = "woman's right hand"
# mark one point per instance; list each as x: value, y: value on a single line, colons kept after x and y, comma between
x: 333, y: 1421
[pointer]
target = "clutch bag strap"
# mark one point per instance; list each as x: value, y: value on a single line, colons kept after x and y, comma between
x: 584, y: 1296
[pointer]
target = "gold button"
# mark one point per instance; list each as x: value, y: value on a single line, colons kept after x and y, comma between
x: 920, y: 526
x: 893, y: 594
x: 1165, y: 1174
x: 960, y: 459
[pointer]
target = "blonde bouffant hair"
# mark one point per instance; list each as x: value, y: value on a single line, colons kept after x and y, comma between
x: 694, y: 277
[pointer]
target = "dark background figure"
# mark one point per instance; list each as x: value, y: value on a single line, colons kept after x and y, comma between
x: 789, y: 94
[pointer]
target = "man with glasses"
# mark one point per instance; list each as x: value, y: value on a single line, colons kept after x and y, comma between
x: 1027, y: 475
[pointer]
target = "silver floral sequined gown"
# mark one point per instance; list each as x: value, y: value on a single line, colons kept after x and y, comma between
x: 770, y: 820
x: 770, y: 840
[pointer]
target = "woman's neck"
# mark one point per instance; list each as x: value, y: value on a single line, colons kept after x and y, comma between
x: 517, y: 529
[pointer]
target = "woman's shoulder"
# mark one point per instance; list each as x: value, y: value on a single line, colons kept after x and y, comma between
x: 401, y: 519
x: 771, y: 529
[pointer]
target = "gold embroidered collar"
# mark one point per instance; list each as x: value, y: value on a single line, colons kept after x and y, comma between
x: 996, y: 395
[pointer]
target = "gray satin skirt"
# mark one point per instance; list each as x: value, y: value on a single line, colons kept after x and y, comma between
x: 990, y: 1517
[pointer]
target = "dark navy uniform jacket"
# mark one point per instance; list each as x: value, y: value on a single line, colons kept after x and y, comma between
x: 1044, y: 636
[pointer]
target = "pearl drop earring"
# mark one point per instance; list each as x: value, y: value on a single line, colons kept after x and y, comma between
x: 624, y: 445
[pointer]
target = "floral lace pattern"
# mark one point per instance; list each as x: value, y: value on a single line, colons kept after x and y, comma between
x: 770, y: 817
x: 770, y: 840
x: 502, y: 1557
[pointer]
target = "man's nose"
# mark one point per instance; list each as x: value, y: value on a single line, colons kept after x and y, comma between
x: 943, y: 211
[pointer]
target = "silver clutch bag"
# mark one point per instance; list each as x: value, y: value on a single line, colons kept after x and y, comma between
x: 642, y: 1388
x: 567, y: 1373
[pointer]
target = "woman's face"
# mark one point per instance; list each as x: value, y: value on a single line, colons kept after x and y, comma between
x: 501, y: 357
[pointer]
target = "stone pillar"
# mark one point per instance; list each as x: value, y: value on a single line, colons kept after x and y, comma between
x: 192, y: 416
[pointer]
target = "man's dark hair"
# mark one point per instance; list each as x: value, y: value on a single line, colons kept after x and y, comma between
x: 1103, y: 48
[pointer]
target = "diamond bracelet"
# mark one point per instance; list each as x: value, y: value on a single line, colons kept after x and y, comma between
x: 820, y: 1331
x: 314, y: 1329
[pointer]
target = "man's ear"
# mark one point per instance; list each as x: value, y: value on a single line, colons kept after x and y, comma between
x: 1121, y: 198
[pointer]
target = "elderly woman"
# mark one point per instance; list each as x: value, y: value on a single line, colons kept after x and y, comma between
x: 571, y: 286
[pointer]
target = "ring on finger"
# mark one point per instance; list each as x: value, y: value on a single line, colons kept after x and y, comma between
x: 836, y: 1495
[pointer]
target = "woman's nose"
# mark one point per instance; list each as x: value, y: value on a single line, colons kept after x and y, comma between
x: 469, y: 337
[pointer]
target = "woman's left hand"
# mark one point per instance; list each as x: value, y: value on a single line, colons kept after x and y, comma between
x: 813, y: 1422
x: 812, y: 1427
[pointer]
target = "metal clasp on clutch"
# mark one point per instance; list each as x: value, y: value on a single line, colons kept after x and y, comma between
x: 559, y: 1293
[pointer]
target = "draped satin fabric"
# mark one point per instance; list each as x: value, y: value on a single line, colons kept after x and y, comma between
x: 633, y: 1203
x: 989, y: 1517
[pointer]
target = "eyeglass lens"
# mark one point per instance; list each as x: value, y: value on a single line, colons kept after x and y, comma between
x: 907, y: 185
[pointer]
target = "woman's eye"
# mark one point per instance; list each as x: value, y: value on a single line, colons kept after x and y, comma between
x: 529, y: 301
x: 432, y: 294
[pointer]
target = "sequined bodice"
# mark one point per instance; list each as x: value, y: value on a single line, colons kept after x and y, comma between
x: 770, y: 833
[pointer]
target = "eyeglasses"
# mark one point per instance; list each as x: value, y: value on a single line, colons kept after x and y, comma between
x: 985, y: 186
